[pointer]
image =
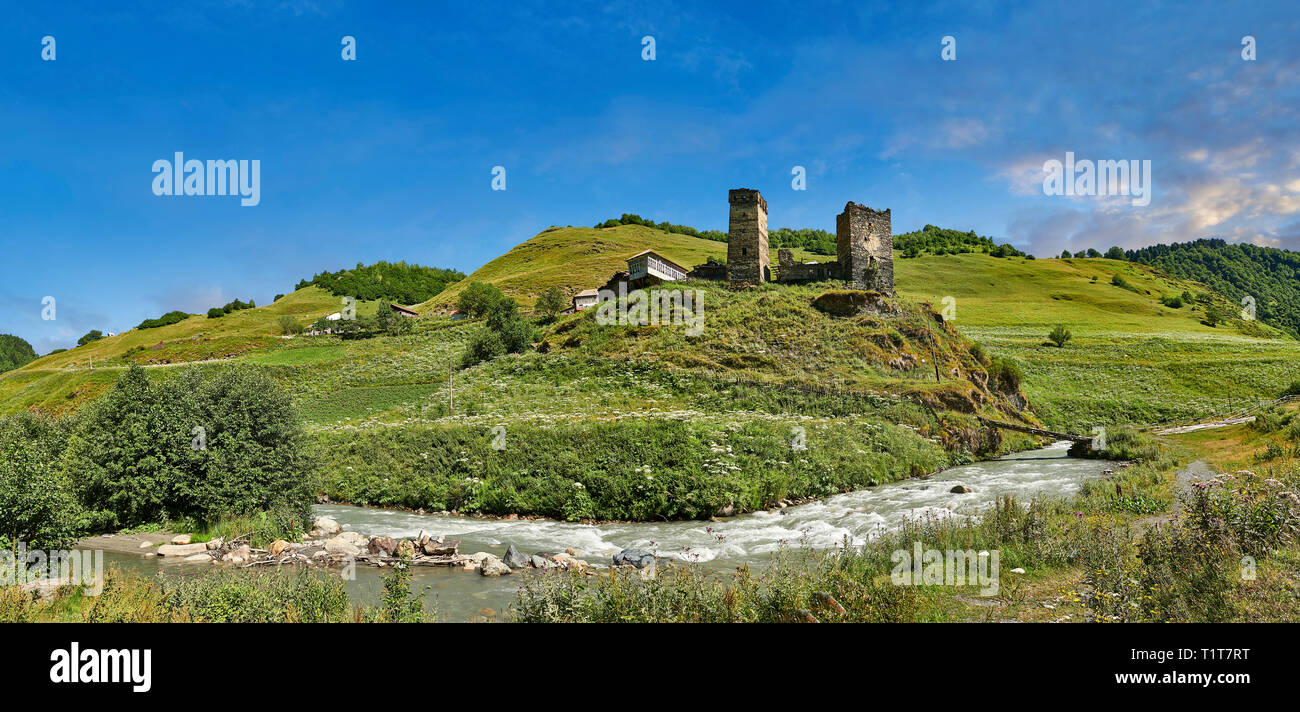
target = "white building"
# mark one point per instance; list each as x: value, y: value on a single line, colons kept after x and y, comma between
x: 585, y: 298
x: 646, y: 267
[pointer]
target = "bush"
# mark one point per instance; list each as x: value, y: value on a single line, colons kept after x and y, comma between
x: 1292, y: 390
x: 551, y: 302
x: 169, y: 318
x: 288, y: 325
x: 1060, y: 336
x: 1174, y: 302
x: 1005, y: 375
x: 484, y: 346
x: 478, y: 299
x: 92, y: 335
x: 139, y: 457
x: 37, y: 505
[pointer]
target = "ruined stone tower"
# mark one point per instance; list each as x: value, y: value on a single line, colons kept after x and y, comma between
x: 747, y: 260
x: 865, y: 244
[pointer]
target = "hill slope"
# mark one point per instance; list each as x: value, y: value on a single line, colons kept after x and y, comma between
x: 1266, y: 274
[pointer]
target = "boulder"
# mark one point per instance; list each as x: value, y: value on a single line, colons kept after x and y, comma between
x: 492, y: 566
x: 961, y: 489
x: 181, y: 549
x: 146, y: 544
x: 355, y: 539
x: 405, y: 548
x: 215, y: 544
x: 573, y: 552
x: 441, y: 547
x: 514, y: 559
x: 181, y: 539
x: 566, y: 561
x: 199, y: 557
x: 339, y: 545
x: 279, y: 546
x: 634, y: 557
x: 726, y: 510
x: 326, y: 526
x: 540, y: 562
x: 238, y: 555
x: 385, y: 545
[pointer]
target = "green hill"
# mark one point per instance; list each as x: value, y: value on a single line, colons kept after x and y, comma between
x: 1269, y: 276
x: 596, y: 404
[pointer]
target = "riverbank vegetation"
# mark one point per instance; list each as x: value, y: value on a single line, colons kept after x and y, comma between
x: 215, y: 449
x: 223, y: 596
x: 1227, y: 552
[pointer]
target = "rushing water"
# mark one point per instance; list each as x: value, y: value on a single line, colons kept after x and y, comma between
x: 747, y: 538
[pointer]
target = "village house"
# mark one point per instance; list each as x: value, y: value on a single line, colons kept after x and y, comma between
x: 410, y: 313
x: 585, y: 298
x: 649, y: 267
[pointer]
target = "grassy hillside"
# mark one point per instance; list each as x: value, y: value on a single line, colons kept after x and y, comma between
x: 578, y: 258
x: 1132, y: 359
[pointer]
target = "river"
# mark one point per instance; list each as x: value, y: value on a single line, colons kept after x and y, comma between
x: 724, y: 544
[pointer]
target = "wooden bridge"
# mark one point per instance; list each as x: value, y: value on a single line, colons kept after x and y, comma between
x: 1035, y: 431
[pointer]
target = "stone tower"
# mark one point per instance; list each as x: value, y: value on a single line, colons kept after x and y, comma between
x: 864, y: 242
x: 747, y: 260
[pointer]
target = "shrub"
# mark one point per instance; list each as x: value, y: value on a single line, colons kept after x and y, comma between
x: 288, y: 325
x: 1005, y: 375
x: 1292, y: 390
x: 139, y: 457
x: 484, y: 346
x: 551, y: 302
x: 478, y: 299
x: 92, y: 335
x: 1060, y: 335
x: 169, y: 318
x: 37, y: 505
x: 1174, y: 302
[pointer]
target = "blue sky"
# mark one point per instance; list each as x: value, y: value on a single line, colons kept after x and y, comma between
x: 390, y: 156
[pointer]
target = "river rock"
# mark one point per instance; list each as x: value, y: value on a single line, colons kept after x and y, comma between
x: 339, y: 545
x: 279, y: 546
x: 215, y: 543
x: 540, y: 562
x: 326, y: 526
x: 441, y: 547
x: 181, y: 539
x: 514, y: 559
x: 492, y: 566
x: 634, y: 557
x: 566, y: 561
x: 146, y: 544
x: 355, y: 538
x: 199, y: 557
x: 575, y: 553
x: 181, y: 549
x: 961, y: 489
x: 727, y: 510
x: 385, y: 545
x: 405, y: 549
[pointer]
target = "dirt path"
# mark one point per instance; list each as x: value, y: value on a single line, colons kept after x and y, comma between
x: 1206, y: 426
x: 1186, y: 477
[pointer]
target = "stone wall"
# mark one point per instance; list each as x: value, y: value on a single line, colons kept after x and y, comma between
x: 747, y: 259
x: 788, y: 270
x: 865, y: 243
